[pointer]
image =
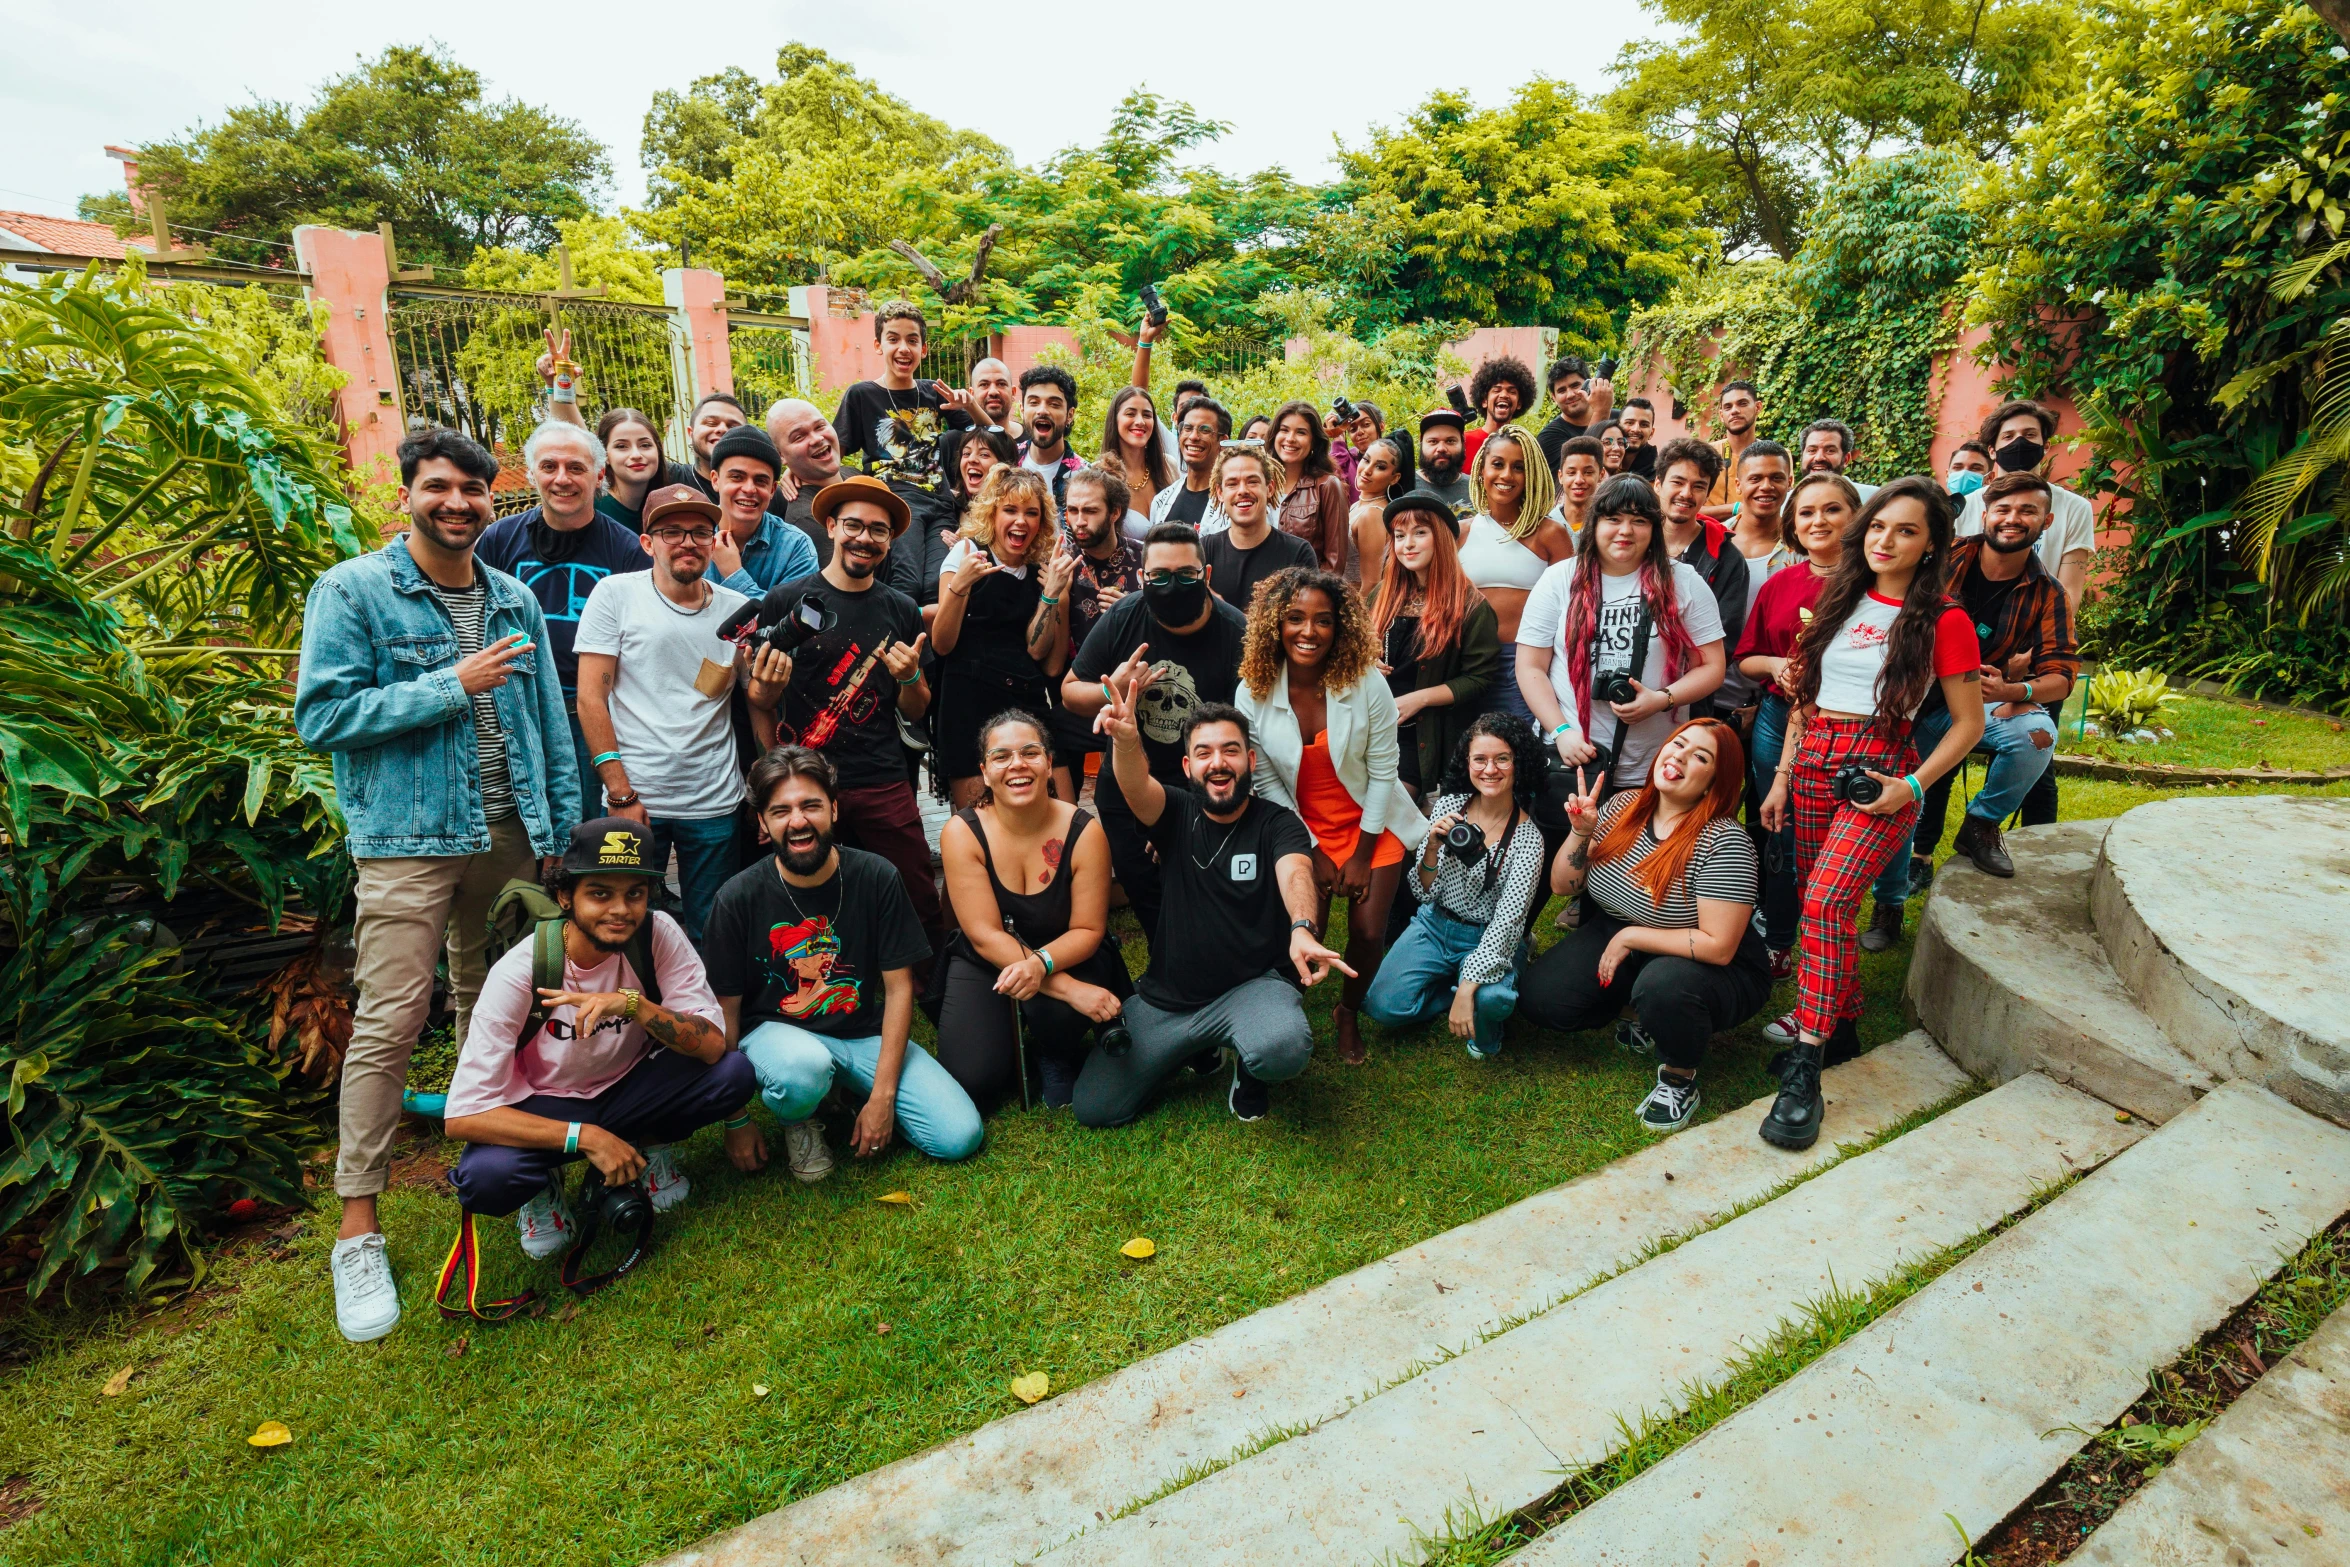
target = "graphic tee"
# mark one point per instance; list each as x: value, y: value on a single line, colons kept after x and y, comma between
x: 813, y: 957
x: 1781, y: 610
x: 896, y: 433
x: 1221, y: 922
x: 562, y: 569
x: 670, y: 697
x: 842, y: 699
x: 1544, y: 622
x: 1202, y: 666
x: 1855, y: 656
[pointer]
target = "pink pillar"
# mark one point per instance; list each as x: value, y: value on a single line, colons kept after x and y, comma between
x: 699, y: 298
x: 349, y: 277
x: 840, y: 341
x: 1017, y: 346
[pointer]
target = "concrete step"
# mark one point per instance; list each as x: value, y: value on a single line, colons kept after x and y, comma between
x: 1488, y: 1433
x: 2009, y: 976
x: 1964, y: 1400
x: 2268, y: 1483
x: 2229, y: 922
x: 1031, y: 1480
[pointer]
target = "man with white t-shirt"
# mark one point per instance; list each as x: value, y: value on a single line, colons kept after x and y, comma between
x: 2018, y: 433
x: 656, y: 676
x: 1826, y: 448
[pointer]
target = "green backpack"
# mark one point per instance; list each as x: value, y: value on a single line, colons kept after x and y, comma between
x: 526, y: 911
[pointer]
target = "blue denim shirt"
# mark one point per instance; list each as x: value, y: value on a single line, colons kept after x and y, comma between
x: 378, y: 688
x: 778, y: 552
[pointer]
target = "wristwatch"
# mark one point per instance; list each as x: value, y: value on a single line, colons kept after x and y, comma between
x: 1298, y: 925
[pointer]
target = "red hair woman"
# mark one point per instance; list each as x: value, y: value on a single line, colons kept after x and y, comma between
x: 1439, y: 641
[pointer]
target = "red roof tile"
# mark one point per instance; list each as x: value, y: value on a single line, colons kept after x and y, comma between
x: 71, y: 236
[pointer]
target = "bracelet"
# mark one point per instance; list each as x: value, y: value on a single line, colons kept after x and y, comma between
x: 739, y: 1122
x: 560, y: 393
x: 1917, y: 793
x: 601, y: 757
x: 629, y: 798
x: 1047, y: 600
x: 1047, y: 959
x: 1565, y: 724
x: 1108, y: 695
x: 571, y: 1138
x: 1298, y: 925
x: 913, y: 679
x: 628, y: 1013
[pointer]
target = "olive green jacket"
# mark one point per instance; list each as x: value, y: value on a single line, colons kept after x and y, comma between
x: 1470, y: 668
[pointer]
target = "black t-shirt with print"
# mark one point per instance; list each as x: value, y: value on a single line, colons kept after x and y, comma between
x: 842, y: 699
x: 1221, y: 919
x: 813, y: 957
x: 1234, y: 572
x: 1203, y: 666
x: 896, y: 433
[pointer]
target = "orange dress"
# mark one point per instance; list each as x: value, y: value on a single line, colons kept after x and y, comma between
x: 1331, y: 814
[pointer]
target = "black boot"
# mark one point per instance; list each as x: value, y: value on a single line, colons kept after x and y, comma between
x: 1980, y: 842
x: 1884, y: 932
x: 1794, y: 1121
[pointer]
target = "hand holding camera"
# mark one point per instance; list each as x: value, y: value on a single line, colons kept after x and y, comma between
x: 1154, y: 309
x: 1865, y: 789
x: 1627, y: 698
x: 616, y: 1160
x: 1464, y: 840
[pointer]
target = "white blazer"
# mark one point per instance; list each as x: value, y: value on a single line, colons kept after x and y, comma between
x: 1361, y: 724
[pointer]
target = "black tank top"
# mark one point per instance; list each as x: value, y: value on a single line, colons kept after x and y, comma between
x: 994, y: 638
x: 1035, y: 917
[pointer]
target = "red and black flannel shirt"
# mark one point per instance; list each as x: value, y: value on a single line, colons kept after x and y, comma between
x: 2034, y: 619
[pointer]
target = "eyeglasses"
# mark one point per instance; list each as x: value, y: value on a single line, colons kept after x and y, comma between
x: 1188, y: 577
x: 1003, y: 754
x: 1490, y: 764
x: 675, y: 536
x: 850, y: 528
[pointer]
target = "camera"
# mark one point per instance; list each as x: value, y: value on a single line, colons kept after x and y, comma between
x: 1154, y: 309
x: 1113, y: 1039
x: 1464, y: 840
x: 1854, y: 786
x: 1606, y: 368
x: 1613, y: 685
x: 625, y: 1211
x: 1459, y: 400
x: 1344, y: 409
x: 791, y: 633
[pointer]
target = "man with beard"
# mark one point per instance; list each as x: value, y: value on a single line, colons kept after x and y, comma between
x: 1200, y: 432
x: 1686, y: 471
x: 1582, y: 403
x: 1249, y: 549
x: 1741, y: 406
x: 1189, y: 641
x: 431, y: 680
x: 1048, y: 397
x: 1638, y: 421
x: 624, y: 1055
x: 991, y: 392
x: 656, y: 677
x: 1109, y: 566
x: 845, y: 688
x: 755, y: 549
x: 559, y: 550
x: 1239, y: 919
x: 812, y: 952
x: 1826, y: 448
x: 1443, y: 470
x: 1501, y: 390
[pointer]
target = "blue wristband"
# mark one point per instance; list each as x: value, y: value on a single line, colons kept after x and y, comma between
x: 571, y: 1138
x: 602, y: 757
x: 1917, y: 793
x: 1048, y: 959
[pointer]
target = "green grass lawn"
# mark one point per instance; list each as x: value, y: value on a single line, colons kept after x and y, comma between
x: 2210, y: 732
x: 630, y: 1427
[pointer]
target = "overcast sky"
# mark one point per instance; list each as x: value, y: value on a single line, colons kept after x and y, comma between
x: 78, y: 75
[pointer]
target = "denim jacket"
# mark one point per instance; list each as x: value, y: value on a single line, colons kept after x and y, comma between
x: 378, y: 688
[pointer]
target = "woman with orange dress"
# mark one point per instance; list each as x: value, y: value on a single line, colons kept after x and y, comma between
x: 1324, y: 726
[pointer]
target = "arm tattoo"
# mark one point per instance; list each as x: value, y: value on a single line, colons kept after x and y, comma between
x: 679, y: 1033
x: 1580, y: 857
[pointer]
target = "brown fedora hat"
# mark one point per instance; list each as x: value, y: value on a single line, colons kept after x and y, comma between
x: 861, y: 487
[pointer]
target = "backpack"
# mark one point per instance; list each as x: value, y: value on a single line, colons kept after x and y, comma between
x: 526, y: 911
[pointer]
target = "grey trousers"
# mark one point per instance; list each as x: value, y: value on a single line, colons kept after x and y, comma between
x: 1264, y: 1020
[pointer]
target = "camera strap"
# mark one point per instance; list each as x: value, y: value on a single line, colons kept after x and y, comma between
x: 465, y: 1260
x: 1640, y: 633
x: 590, y: 1209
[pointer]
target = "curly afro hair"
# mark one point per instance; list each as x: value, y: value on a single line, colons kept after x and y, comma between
x: 1504, y: 371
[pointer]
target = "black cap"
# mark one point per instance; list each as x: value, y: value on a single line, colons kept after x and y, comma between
x: 1451, y: 416
x: 745, y: 440
x: 1420, y: 500
x: 610, y: 846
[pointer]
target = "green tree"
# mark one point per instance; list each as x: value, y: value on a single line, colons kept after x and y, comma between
x: 1543, y: 211
x: 407, y: 138
x: 1770, y: 102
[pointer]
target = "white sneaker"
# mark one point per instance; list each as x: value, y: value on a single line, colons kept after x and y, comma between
x: 545, y: 1224
x: 1782, y: 1031
x: 804, y: 1150
x: 367, y: 1302
x: 664, y: 1182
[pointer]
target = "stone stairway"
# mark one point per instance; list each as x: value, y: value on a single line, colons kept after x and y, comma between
x: 1463, y: 1377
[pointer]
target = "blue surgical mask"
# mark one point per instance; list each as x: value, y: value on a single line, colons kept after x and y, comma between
x: 1964, y: 481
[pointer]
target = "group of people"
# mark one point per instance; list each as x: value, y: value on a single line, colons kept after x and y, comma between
x: 1480, y: 661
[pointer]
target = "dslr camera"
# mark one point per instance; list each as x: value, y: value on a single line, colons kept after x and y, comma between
x: 1853, y: 785
x: 624, y: 1212
x: 1464, y: 840
x: 792, y: 632
x: 1605, y: 370
x: 1343, y: 408
x: 1613, y: 685
x: 1154, y: 309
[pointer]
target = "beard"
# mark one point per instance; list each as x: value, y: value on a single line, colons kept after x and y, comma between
x: 1225, y: 794
x: 2002, y: 545
x: 598, y: 942
x: 1443, y: 471
x: 806, y: 862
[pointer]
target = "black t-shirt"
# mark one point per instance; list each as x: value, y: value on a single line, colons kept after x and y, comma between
x: 842, y: 699
x: 1221, y: 921
x: 896, y: 433
x: 1235, y: 572
x: 1555, y: 435
x: 813, y: 957
x: 1203, y: 666
x: 561, y: 570
x: 1984, y: 599
x: 1190, y: 505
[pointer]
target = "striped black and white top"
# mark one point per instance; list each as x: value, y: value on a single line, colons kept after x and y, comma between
x: 468, y: 611
x: 1724, y: 868
x: 1467, y: 893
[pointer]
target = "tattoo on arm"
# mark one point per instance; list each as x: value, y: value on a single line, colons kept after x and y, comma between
x: 680, y: 1033
x: 1580, y: 857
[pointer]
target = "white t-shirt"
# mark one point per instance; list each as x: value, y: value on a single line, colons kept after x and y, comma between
x: 1855, y: 657
x: 1619, y: 616
x: 673, y: 733
x: 492, y: 1074
x: 963, y: 550
x: 2072, y: 527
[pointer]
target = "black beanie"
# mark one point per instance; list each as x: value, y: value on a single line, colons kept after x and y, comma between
x: 745, y: 440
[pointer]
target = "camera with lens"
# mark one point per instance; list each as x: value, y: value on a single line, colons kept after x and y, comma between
x: 1613, y: 685
x: 624, y: 1211
x: 1854, y: 786
x: 1113, y: 1039
x: 1606, y: 367
x: 1343, y: 408
x: 791, y: 633
x: 1464, y: 840
x: 1154, y: 309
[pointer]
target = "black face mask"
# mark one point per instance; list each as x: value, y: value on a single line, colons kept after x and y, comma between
x: 1175, y: 603
x: 2019, y: 456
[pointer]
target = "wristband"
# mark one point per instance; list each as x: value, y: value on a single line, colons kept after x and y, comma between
x: 601, y: 757
x: 1047, y: 600
x: 571, y: 1138
x: 913, y: 679
x: 1565, y: 725
x: 739, y: 1122
x: 1917, y: 793
x: 1108, y: 695
x: 1048, y: 960
x: 1298, y: 925
x: 559, y: 393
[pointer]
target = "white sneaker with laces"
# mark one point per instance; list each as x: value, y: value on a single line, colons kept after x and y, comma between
x: 1669, y: 1104
x: 545, y: 1224
x: 804, y: 1151
x: 367, y: 1302
x: 665, y: 1184
x: 1782, y: 1031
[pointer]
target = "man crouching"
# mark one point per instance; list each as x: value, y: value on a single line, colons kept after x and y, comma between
x: 594, y: 1068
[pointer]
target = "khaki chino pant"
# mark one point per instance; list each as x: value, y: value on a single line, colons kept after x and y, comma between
x: 409, y: 911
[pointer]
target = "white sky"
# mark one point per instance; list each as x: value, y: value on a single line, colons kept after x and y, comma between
x: 78, y: 75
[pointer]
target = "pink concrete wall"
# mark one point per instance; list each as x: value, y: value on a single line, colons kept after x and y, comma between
x: 1651, y: 385
x: 1017, y: 346
x: 1527, y: 344
x: 841, y: 345
x: 700, y: 296
x: 348, y: 275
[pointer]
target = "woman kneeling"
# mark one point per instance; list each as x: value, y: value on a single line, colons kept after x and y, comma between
x: 1029, y: 877
x: 1461, y: 953
x: 1672, y: 881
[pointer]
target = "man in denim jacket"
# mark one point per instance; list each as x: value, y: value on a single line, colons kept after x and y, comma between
x: 430, y: 679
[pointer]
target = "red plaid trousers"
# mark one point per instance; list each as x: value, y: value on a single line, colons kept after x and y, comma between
x: 1838, y: 853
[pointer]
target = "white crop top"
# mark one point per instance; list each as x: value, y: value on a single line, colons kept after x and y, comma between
x: 1850, y: 664
x: 1492, y: 559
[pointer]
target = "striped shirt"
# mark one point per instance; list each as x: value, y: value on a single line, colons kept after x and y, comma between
x: 468, y: 609
x: 1723, y: 868
x: 1494, y: 892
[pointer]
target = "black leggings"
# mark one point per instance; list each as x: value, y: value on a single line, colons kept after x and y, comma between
x: 1680, y: 1003
x: 975, y: 1040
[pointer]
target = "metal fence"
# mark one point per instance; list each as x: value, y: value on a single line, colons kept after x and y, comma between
x: 1227, y: 353
x: 771, y: 359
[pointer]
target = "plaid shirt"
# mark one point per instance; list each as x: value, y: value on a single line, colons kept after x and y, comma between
x: 2034, y: 619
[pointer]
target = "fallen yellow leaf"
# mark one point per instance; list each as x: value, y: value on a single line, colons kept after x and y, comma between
x: 270, y: 1433
x: 758, y: 1390
x: 1139, y: 1248
x: 902, y: 1199
x: 1030, y: 1388
x: 117, y: 1383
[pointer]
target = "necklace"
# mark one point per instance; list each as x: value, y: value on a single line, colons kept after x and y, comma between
x: 685, y: 614
x: 784, y: 882
x: 1221, y: 847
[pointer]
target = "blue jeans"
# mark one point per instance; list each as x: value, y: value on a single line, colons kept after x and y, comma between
x: 1782, y: 902
x: 796, y: 1069
x: 1422, y: 970
x: 705, y: 859
x: 1507, y: 698
x: 591, y: 787
x: 2021, y: 750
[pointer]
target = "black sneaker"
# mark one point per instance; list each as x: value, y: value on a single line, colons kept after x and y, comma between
x: 1794, y: 1121
x: 1884, y: 930
x: 1980, y: 842
x: 1249, y: 1098
x: 1207, y: 1063
x: 1060, y: 1080
x: 1669, y: 1104
x: 1921, y: 875
x: 1631, y: 1036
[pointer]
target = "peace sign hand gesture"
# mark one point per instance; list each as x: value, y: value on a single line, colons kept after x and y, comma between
x: 1583, y: 806
x: 556, y: 367
x: 1116, y: 718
